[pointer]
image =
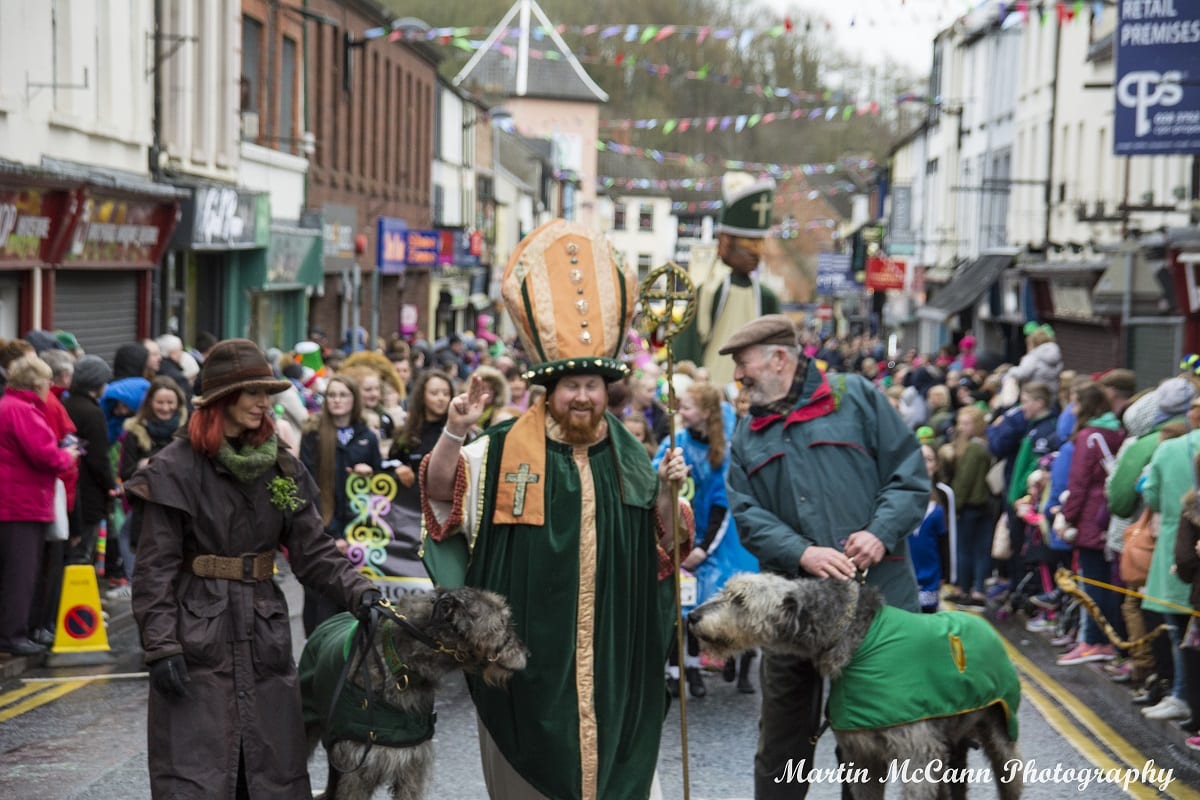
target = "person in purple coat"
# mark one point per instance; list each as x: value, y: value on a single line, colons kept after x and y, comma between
x: 1098, y: 435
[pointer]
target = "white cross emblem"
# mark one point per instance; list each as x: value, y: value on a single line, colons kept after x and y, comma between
x: 763, y: 207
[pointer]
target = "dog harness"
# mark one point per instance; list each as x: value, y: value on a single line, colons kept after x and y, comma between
x: 912, y: 667
x: 324, y: 655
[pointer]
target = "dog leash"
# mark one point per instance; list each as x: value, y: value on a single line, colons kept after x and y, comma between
x: 364, y: 635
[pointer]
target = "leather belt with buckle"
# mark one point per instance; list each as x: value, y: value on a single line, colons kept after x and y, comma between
x: 248, y: 567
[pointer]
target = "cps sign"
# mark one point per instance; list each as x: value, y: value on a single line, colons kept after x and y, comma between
x: 1157, y: 88
x: 1141, y: 91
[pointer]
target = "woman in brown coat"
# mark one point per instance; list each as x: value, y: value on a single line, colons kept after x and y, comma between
x: 224, y: 712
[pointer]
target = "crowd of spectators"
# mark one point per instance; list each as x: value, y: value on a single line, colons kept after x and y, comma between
x: 1035, y: 467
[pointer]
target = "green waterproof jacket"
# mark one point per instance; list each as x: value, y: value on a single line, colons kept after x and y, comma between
x: 1168, y: 479
x: 842, y: 461
x: 1123, y: 495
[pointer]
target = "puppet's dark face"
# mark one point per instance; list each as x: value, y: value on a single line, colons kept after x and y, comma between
x: 740, y: 253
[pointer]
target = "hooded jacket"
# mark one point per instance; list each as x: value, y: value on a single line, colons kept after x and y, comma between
x: 129, y: 391
x: 1042, y: 364
x: 143, y: 440
x: 1169, y: 477
x: 1087, y: 507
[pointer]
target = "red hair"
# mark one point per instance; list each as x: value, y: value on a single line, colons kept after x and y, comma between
x: 206, y: 428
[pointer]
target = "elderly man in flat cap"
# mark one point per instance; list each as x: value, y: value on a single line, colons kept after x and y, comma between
x: 825, y: 481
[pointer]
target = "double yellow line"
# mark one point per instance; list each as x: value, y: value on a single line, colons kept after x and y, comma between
x: 1087, y: 731
x: 33, y: 695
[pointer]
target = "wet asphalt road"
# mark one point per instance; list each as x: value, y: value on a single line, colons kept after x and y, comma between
x: 89, y: 744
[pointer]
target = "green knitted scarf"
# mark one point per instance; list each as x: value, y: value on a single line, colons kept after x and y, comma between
x: 250, y: 462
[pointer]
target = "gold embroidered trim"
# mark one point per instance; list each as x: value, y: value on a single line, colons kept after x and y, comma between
x: 585, y: 629
x: 606, y: 290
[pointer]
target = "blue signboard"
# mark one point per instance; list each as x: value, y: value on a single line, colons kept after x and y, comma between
x: 1158, y: 77
x: 835, y: 275
x: 421, y: 248
x: 391, y: 245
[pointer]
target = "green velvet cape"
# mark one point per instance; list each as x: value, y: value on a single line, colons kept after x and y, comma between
x: 535, y: 721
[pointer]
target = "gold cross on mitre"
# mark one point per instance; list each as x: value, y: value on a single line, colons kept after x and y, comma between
x: 522, y: 477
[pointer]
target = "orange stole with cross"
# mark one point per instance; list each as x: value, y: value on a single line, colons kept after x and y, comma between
x: 520, y: 494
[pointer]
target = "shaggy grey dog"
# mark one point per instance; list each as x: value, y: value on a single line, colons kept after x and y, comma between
x: 471, y: 629
x: 826, y: 621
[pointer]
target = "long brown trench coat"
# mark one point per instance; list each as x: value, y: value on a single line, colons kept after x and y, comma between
x: 244, y: 695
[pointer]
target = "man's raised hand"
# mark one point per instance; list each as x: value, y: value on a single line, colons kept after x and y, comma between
x: 467, y: 408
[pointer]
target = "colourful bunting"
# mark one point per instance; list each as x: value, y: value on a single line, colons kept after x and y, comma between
x: 1064, y: 10
x: 741, y: 122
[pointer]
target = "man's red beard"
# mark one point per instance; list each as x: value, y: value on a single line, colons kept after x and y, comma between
x: 578, y: 431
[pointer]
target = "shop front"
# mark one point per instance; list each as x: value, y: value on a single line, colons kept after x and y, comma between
x: 981, y: 298
x: 35, y: 223
x: 277, y: 312
x: 1061, y: 295
x: 221, y: 244
x: 102, y: 286
x: 457, y: 282
x: 406, y: 260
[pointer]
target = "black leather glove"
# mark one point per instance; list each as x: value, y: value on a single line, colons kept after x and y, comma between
x: 170, y: 676
x: 370, y: 598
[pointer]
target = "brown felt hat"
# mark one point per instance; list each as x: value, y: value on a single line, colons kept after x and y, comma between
x: 236, y: 365
x: 771, y: 329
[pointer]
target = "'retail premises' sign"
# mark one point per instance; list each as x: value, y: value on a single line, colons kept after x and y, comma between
x: 1158, y: 77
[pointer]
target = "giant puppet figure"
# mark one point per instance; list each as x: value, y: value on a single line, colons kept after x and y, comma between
x: 732, y: 294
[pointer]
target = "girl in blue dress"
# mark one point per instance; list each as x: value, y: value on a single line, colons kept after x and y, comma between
x: 706, y: 426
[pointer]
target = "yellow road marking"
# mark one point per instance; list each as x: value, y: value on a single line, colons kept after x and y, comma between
x: 1084, y: 745
x: 108, y: 676
x: 1114, y: 741
x: 8, y: 698
x: 41, y: 699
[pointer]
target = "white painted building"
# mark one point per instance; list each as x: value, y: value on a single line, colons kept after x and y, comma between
x: 641, y: 227
x: 1090, y: 183
x: 278, y: 174
x: 73, y: 82
x: 458, y: 122
x: 76, y: 102
x: 201, y: 126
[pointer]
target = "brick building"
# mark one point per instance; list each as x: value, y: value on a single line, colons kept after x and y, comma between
x: 366, y: 120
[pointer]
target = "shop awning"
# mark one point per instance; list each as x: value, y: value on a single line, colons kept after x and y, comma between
x: 1145, y: 286
x: 968, y: 283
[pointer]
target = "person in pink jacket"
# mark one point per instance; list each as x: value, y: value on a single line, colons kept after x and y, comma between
x: 30, y: 460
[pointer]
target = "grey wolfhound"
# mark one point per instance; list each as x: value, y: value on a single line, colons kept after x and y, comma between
x: 908, y: 691
x: 388, y: 742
